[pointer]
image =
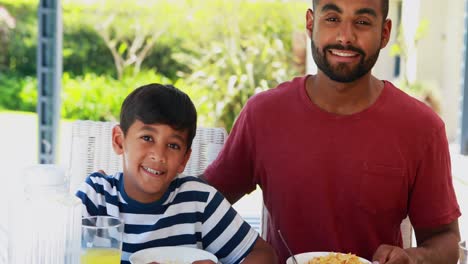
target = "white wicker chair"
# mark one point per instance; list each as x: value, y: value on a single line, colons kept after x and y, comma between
x: 407, y: 233
x: 91, y: 150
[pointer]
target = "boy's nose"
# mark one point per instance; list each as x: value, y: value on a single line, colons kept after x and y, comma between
x: 158, y: 156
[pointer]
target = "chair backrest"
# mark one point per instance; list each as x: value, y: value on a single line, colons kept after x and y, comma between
x: 406, y: 233
x: 91, y: 150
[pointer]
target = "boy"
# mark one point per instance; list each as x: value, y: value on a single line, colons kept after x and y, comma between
x: 158, y: 206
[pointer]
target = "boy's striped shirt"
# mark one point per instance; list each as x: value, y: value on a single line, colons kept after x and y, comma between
x: 190, y: 213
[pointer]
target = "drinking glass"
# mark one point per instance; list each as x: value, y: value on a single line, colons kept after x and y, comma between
x: 463, y: 252
x: 101, y: 240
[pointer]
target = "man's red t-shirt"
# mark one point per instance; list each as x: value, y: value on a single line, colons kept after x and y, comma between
x: 339, y: 183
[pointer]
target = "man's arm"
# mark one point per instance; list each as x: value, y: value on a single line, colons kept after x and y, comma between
x: 262, y: 253
x: 231, y: 197
x: 435, y: 246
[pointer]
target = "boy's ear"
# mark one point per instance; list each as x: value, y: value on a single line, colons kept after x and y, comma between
x: 184, y: 162
x: 117, y: 139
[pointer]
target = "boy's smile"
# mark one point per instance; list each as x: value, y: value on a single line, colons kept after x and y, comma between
x: 153, y: 155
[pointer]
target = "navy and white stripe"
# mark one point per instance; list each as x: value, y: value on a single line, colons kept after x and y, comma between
x: 191, y: 213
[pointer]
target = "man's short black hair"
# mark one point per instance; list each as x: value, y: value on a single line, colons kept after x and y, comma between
x: 160, y: 104
x: 384, y: 7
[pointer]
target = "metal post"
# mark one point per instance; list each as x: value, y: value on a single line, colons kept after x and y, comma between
x: 49, y: 74
x: 464, y: 113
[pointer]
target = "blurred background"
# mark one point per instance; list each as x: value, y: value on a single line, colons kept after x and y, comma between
x: 220, y: 52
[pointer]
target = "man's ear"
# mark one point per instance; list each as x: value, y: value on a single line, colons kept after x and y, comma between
x: 386, y: 31
x: 309, y: 22
x: 117, y: 139
x: 184, y: 162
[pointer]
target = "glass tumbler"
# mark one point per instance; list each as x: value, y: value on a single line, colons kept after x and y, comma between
x: 101, y: 240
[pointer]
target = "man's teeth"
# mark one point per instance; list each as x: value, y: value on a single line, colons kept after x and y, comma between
x: 342, y: 54
x: 153, y: 171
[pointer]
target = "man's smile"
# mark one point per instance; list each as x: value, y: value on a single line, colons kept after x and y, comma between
x: 343, y: 53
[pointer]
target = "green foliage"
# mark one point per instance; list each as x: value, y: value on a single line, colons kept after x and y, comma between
x: 11, y: 98
x: 100, y: 97
x: 400, y: 47
x: 251, y: 53
x: 420, y: 89
x: 129, y: 30
x: 227, y: 74
x: 23, y: 38
x: 91, y: 96
x: 84, y: 52
x: 220, y: 52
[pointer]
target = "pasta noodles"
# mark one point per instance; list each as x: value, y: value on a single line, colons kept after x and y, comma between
x: 336, y: 258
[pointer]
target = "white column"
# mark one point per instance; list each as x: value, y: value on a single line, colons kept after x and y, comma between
x: 452, y: 74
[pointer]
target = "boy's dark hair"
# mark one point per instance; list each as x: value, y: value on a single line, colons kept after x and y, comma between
x: 384, y: 7
x: 160, y: 104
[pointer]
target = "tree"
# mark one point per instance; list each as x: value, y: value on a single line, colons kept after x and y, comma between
x: 129, y: 28
x: 7, y: 22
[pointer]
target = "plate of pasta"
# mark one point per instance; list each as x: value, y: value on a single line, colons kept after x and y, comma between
x: 327, y: 258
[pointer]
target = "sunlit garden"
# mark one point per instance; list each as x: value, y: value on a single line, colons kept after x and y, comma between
x: 220, y: 52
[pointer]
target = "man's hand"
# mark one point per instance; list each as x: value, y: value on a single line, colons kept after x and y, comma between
x: 386, y: 254
x: 438, y: 245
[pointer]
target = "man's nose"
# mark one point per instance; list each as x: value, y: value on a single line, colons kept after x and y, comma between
x: 346, y: 34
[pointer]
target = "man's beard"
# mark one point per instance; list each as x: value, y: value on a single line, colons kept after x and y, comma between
x: 343, y: 72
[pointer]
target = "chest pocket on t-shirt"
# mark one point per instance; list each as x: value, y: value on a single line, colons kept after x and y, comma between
x: 383, y: 190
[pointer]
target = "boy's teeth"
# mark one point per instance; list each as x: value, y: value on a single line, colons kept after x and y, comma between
x: 153, y: 171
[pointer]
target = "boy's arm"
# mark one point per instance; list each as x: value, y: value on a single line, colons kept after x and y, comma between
x: 261, y: 253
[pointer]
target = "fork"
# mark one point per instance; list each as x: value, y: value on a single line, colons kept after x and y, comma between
x: 287, y: 247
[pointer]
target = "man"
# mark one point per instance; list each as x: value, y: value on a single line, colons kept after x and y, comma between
x: 342, y: 157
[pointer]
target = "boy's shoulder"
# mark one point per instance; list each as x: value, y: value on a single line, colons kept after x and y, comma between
x: 110, y: 181
x: 192, y: 183
x: 191, y: 188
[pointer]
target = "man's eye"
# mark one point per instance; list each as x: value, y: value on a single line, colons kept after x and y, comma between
x: 147, y: 138
x: 332, y: 19
x: 174, y: 146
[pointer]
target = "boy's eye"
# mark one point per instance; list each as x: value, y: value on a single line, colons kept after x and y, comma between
x: 174, y: 146
x: 147, y: 138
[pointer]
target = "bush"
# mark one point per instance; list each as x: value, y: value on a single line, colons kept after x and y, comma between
x: 252, y: 52
x: 100, y: 97
x: 11, y: 98
x: 22, y: 44
x: 85, y: 52
x: 91, y: 96
x: 219, y: 52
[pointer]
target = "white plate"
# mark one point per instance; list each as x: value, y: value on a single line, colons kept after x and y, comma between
x: 304, y: 257
x: 179, y: 255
